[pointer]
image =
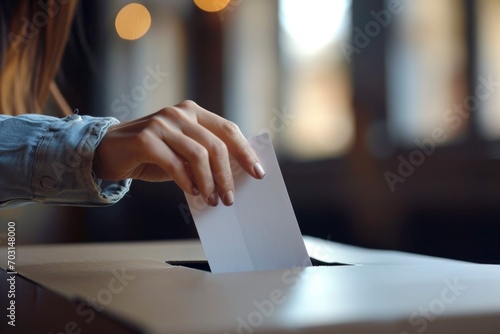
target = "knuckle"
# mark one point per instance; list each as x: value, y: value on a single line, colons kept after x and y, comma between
x: 218, y: 149
x: 171, y: 113
x: 187, y: 104
x: 199, y: 153
x: 164, y: 111
x: 224, y: 178
x: 156, y: 121
x: 144, y: 137
x: 230, y: 128
x: 244, y: 153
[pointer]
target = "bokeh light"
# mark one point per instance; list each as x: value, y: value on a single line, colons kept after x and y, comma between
x: 133, y: 21
x: 314, y: 24
x: 212, y: 5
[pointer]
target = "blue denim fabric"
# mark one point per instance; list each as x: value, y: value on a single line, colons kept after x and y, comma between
x: 46, y: 159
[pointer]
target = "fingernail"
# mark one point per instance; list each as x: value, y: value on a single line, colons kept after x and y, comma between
x: 196, y: 191
x: 229, y: 198
x: 259, y: 171
x: 213, y: 199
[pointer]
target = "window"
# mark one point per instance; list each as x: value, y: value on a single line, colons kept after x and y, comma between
x: 316, y: 85
x: 286, y: 75
x: 488, y: 12
x: 426, y: 63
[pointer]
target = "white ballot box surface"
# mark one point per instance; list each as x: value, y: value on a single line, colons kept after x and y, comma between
x: 132, y: 285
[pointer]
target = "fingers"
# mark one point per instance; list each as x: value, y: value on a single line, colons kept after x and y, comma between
x: 203, y: 155
x: 161, y: 155
x: 190, y: 144
x: 145, y: 156
x: 196, y: 155
x: 236, y: 143
x: 218, y: 157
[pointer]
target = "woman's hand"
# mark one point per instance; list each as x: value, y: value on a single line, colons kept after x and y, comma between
x: 184, y: 143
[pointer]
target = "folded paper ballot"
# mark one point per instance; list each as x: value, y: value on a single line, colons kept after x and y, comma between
x: 259, y: 231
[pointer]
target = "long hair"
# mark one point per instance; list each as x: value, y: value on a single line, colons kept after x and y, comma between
x: 33, y: 36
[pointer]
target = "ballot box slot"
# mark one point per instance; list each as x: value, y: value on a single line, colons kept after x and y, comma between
x: 319, y: 263
x: 200, y: 265
x: 203, y: 265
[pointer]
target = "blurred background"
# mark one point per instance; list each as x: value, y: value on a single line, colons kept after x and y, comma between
x: 385, y: 115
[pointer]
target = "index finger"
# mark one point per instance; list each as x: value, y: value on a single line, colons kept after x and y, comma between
x: 236, y: 143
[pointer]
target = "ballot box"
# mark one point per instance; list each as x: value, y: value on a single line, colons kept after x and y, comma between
x: 166, y: 287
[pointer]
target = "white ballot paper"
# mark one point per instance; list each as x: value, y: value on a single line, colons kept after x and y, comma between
x: 259, y: 231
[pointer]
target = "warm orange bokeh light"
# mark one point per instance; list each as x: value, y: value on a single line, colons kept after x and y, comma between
x: 212, y: 5
x: 132, y: 21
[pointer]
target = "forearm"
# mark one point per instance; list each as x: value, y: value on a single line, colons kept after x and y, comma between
x: 49, y: 160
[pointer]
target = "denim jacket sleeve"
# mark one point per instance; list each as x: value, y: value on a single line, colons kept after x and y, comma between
x: 46, y: 159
